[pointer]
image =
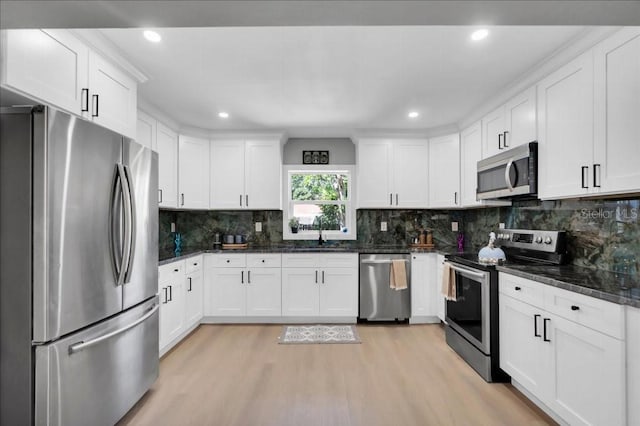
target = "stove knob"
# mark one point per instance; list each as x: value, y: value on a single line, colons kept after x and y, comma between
x: 539, y: 240
x: 547, y: 240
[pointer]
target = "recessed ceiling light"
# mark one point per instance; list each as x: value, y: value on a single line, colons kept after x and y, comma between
x: 223, y: 114
x: 152, y: 36
x: 414, y: 114
x: 479, y: 34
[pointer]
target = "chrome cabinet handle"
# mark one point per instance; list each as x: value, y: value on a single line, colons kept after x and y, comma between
x: 595, y: 175
x: 316, y: 277
x: 182, y: 199
x: 240, y: 200
x: 322, y: 277
x: 499, y: 137
x: 84, y: 102
x: 455, y: 198
x: 504, y: 139
x: 170, y: 293
x: 575, y: 308
x: 248, y: 277
x: 83, y: 345
x: 190, y: 282
x: 582, y: 169
x: 96, y: 103
x: 160, y: 196
x: 535, y: 325
x: 241, y: 277
x: 396, y: 198
x: 390, y: 199
x: 246, y: 200
x: 164, y: 290
x: 544, y: 329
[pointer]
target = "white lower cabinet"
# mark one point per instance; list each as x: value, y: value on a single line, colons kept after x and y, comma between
x: 320, y: 285
x: 237, y: 285
x: 193, y: 291
x: 424, y: 290
x: 577, y: 372
x: 170, y: 288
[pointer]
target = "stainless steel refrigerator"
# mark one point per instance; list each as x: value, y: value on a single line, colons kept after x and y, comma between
x: 78, y: 269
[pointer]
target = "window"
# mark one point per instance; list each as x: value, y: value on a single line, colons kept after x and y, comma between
x: 319, y: 197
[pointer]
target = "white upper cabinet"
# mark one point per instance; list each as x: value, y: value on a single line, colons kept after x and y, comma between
x: 167, y: 147
x: 565, y: 130
x: 60, y: 70
x: 113, y: 96
x: 50, y: 65
x: 193, y: 173
x: 392, y: 173
x: 263, y: 175
x: 511, y: 125
x: 246, y: 174
x: 146, y: 130
x: 444, y: 171
x: 617, y: 113
x: 470, y: 154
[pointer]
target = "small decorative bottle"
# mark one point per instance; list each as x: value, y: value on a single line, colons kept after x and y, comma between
x: 460, y: 242
x: 178, y: 242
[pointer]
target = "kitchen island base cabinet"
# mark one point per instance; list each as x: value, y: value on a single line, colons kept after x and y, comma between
x: 577, y: 372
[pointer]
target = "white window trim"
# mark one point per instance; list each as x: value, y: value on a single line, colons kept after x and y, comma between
x: 351, y: 233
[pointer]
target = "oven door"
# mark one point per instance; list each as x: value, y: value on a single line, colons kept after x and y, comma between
x: 469, y: 315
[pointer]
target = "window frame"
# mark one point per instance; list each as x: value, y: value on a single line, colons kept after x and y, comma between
x: 349, y: 203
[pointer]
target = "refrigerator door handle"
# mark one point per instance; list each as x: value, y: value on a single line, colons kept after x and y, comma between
x: 130, y: 239
x: 76, y: 347
x: 115, y: 217
x: 126, y: 201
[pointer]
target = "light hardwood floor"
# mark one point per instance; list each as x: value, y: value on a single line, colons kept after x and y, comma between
x: 399, y: 375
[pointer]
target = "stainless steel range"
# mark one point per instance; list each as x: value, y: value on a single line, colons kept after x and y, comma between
x: 472, y: 319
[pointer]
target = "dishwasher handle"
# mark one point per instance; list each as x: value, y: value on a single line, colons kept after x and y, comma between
x: 380, y: 262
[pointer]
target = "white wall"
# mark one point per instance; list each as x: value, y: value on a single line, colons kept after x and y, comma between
x: 341, y: 150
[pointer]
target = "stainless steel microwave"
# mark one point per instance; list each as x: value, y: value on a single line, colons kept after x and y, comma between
x: 510, y: 174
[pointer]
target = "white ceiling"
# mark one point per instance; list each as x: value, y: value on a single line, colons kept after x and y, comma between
x: 343, y: 78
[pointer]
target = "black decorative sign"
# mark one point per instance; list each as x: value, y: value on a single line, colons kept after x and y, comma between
x: 315, y: 157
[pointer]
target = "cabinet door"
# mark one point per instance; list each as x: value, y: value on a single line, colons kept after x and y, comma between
x: 492, y: 133
x: 263, y: 170
x: 50, y: 65
x: 227, y: 175
x: 338, y: 292
x: 374, y: 176
x: 444, y: 171
x: 565, y: 129
x: 193, y: 172
x: 146, y: 130
x: 113, y: 96
x: 521, y: 351
x: 193, y: 298
x: 171, y: 310
x: 441, y: 303
x: 589, y: 374
x: 470, y: 154
x: 421, y: 297
x: 227, y: 292
x: 410, y: 174
x: 520, y: 119
x: 617, y: 103
x: 167, y: 147
x: 264, y: 296
x: 300, y: 294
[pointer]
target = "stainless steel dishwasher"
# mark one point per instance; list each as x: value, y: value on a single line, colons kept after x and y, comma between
x: 378, y: 302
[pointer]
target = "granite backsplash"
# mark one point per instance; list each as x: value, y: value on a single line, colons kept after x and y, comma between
x: 602, y: 234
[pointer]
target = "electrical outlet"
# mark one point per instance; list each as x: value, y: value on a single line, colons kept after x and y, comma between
x: 454, y: 226
x: 501, y: 225
x: 173, y: 227
x: 383, y: 226
x: 258, y: 226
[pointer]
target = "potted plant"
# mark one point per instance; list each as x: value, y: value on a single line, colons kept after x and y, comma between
x: 294, y: 223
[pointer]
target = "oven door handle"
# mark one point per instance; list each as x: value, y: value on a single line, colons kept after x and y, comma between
x: 466, y: 271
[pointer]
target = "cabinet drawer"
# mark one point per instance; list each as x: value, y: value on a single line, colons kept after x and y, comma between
x: 170, y: 271
x: 228, y: 260
x: 300, y: 260
x: 522, y: 289
x: 193, y: 264
x: 265, y: 260
x: 600, y: 315
x: 342, y: 260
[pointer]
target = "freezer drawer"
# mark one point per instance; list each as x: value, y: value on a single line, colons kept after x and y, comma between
x: 95, y: 376
x: 378, y: 302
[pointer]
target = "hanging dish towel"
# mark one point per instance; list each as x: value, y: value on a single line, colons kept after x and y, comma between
x: 398, y: 275
x: 449, y: 283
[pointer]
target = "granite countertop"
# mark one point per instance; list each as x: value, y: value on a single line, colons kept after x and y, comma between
x: 166, y: 256
x: 617, y: 288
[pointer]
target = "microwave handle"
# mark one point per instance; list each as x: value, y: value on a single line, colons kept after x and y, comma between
x: 507, y: 178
